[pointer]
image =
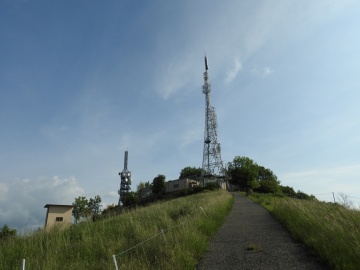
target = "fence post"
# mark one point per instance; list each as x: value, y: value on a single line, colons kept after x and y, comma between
x: 115, y: 262
x: 163, y: 233
x: 23, y: 264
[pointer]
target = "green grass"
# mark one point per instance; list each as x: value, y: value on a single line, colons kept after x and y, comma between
x: 90, y: 245
x: 330, y: 230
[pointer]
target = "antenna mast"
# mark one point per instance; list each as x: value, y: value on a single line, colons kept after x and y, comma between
x: 212, y: 164
x: 125, y: 177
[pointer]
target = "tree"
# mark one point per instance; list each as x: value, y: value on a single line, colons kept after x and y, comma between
x: 80, y: 208
x: 303, y: 196
x: 288, y: 191
x: 268, y: 186
x: 247, y: 174
x: 268, y: 182
x: 130, y: 198
x: 243, y: 172
x: 158, y: 185
x: 108, y: 209
x: 6, y: 232
x: 139, y: 187
x: 265, y: 174
x: 84, y: 208
x: 94, y: 205
x: 147, y: 184
x: 190, y: 172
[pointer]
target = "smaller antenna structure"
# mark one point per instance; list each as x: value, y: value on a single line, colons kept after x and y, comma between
x: 125, y: 177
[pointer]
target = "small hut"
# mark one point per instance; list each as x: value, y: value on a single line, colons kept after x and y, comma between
x: 58, y: 214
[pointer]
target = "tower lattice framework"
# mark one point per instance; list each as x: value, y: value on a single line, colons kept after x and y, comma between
x: 212, y: 164
x: 125, y: 176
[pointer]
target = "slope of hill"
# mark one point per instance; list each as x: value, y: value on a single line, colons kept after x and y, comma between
x: 329, y: 230
x: 165, y: 235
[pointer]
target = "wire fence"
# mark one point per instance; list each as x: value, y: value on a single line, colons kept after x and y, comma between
x: 160, y: 233
x: 350, y: 201
x: 353, y: 202
x: 329, y: 197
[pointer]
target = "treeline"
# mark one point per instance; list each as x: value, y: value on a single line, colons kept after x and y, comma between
x: 242, y: 173
x: 157, y: 190
x: 7, y: 232
x: 247, y: 175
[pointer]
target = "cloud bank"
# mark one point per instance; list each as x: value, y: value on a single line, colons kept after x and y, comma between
x: 23, y: 200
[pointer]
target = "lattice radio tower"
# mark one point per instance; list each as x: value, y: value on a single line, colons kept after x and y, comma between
x: 125, y: 177
x: 212, y: 164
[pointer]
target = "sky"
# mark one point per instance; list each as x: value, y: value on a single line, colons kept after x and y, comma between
x: 82, y: 81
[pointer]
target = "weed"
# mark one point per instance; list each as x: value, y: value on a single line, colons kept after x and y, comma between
x: 332, y: 231
x: 90, y: 245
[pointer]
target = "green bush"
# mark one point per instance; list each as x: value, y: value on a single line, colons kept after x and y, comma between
x: 268, y: 186
x: 288, y: 191
x: 182, y: 192
x: 197, y: 189
x: 212, y: 186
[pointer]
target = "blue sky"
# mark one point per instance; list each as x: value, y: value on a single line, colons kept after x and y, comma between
x: 83, y: 81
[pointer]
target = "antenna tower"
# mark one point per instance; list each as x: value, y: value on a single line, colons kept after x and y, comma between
x: 125, y: 177
x: 212, y: 164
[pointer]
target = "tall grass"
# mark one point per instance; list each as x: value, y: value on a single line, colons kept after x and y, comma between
x: 90, y: 245
x: 330, y: 230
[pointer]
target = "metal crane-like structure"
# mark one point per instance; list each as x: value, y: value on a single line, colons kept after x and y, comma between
x: 125, y: 177
x: 212, y: 164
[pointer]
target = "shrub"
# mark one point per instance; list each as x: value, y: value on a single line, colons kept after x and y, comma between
x: 288, y: 191
x: 197, y: 189
x: 212, y: 186
x: 268, y: 186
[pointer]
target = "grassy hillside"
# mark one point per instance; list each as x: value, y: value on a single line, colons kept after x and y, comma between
x: 332, y: 231
x: 174, y: 234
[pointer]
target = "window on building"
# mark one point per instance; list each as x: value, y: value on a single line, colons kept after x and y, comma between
x: 59, y: 219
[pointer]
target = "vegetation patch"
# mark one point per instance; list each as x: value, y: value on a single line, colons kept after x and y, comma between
x: 171, y: 234
x: 330, y: 230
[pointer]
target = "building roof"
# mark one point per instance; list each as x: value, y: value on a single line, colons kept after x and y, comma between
x: 66, y: 205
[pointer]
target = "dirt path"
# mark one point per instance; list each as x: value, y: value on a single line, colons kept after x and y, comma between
x: 251, y: 238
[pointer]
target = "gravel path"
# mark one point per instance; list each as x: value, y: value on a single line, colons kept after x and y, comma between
x: 251, y: 238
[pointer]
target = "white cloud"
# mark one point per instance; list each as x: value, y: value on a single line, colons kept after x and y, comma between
x: 171, y: 82
x: 267, y: 71
x: 234, y: 71
x: 176, y: 75
x: 24, y: 199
